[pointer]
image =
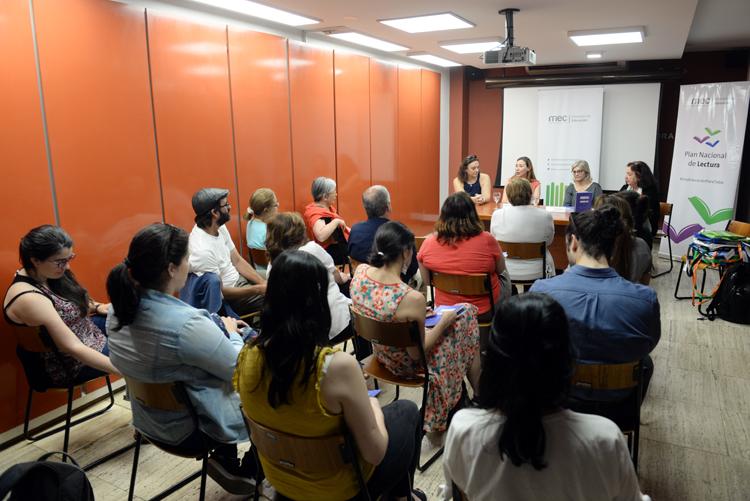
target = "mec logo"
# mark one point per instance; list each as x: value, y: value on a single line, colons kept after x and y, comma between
x: 558, y: 118
x: 700, y: 100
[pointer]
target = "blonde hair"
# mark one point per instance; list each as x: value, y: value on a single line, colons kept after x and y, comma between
x: 261, y: 200
x: 583, y: 165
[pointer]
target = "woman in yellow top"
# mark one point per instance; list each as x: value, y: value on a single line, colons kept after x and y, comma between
x: 290, y: 381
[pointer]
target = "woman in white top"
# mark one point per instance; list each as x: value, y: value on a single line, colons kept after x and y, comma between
x: 523, y: 222
x: 520, y: 444
x: 286, y: 230
x: 581, y: 182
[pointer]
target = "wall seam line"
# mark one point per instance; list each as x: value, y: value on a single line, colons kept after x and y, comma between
x: 234, y: 145
x: 289, y: 112
x: 159, y: 180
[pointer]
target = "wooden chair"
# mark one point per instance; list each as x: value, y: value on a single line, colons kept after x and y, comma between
x: 398, y: 335
x: 475, y: 284
x: 258, y: 257
x: 738, y: 227
x: 166, y: 397
x: 305, y: 456
x: 611, y: 377
x: 526, y: 250
x: 31, y: 344
x: 418, y: 241
x: 665, y: 211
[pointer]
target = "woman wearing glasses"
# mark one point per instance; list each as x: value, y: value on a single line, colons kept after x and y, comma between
x: 45, y: 294
x: 476, y: 184
x: 581, y: 182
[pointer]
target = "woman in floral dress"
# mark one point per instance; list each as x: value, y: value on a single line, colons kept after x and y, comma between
x: 451, y: 347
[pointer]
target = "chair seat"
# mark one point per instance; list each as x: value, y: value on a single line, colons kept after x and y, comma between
x: 175, y: 450
x: 374, y: 368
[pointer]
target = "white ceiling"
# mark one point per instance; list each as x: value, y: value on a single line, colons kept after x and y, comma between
x: 671, y: 26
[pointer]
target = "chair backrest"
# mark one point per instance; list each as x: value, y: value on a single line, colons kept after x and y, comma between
x: 418, y: 241
x: 29, y: 339
x: 524, y: 250
x: 159, y: 396
x: 473, y: 284
x: 396, y: 334
x: 607, y: 376
x: 739, y: 227
x: 304, y: 455
x: 259, y: 257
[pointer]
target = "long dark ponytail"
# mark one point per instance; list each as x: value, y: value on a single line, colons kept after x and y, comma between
x: 146, y: 267
x: 294, y: 322
x: 526, y: 373
x: 43, y: 242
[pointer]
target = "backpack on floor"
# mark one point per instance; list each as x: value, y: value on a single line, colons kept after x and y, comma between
x: 43, y: 480
x: 732, y: 299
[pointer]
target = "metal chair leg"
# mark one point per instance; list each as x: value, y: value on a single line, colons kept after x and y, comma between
x: 138, y: 440
x: 68, y: 414
x: 27, y: 415
x: 204, y: 471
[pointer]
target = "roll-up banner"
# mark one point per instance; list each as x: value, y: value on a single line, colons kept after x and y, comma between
x: 570, y: 129
x: 711, y: 121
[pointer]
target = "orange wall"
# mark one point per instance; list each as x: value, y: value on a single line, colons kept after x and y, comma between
x: 143, y: 110
x: 484, y: 127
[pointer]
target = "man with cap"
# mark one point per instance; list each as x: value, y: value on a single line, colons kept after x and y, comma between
x: 212, y: 251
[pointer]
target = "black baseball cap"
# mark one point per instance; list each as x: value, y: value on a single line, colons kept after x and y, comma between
x: 206, y: 199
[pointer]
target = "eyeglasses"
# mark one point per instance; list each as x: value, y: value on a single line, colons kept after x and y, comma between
x: 578, y: 171
x: 227, y: 205
x: 62, y: 263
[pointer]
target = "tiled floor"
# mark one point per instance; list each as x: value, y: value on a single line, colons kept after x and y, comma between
x: 695, y: 437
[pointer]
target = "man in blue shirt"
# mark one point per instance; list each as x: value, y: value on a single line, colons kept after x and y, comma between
x: 611, y: 319
x: 377, y: 203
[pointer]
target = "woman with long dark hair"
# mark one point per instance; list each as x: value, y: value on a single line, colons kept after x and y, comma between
x: 45, y: 293
x: 156, y: 338
x: 525, y: 170
x: 451, y: 346
x: 521, y: 442
x: 289, y: 379
x: 470, y: 180
x: 639, y: 178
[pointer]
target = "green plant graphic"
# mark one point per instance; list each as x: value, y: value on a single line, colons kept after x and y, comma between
x: 705, y: 213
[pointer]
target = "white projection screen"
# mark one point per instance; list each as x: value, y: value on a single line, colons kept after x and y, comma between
x: 629, y: 120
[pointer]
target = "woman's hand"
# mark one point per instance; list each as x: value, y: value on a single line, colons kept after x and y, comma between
x: 446, y: 319
x: 230, y: 324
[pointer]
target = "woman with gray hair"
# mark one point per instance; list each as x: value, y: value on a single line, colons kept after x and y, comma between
x: 581, y: 182
x: 323, y: 221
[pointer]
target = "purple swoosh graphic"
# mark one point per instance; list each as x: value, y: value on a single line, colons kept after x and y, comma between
x: 700, y: 140
x: 713, y: 144
x: 685, y: 233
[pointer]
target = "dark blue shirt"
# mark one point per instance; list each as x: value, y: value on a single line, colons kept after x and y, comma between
x: 473, y: 189
x: 612, y: 320
x: 361, y: 238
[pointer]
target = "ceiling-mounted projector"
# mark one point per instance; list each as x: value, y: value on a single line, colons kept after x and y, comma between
x: 508, y: 54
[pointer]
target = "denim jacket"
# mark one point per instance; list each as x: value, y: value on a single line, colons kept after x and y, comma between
x: 168, y: 341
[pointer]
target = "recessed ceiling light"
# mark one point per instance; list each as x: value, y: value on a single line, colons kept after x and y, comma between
x: 262, y: 11
x: 468, y: 47
x: 439, y: 61
x: 594, y: 55
x: 610, y: 36
x: 368, y: 41
x: 432, y: 22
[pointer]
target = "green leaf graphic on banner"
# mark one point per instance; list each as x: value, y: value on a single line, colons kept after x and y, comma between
x: 705, y: 213
x: 712, y: 132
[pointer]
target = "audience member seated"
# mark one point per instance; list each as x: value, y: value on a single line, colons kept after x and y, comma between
x: 290, y: 380
x: 286, y: 231
x: 639, y: 209
x: 525, y: 170
x: 522, y: 222
x: 263, y: 205
x: 611, y: 319
x: 631, y: 257
x: 451, y: 347
x: 460, y: 246
x: 323, y: 222
x: 377, y: 203
x: 212, y: 251
x: 521, y: 442
x: 44, y: 293
x: 581, y: 182
x: 156, y: 338
x: 469, y: 179
x: 639, y: 178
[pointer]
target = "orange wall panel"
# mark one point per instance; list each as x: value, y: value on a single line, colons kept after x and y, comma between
x: 313, y: 133
x: 384, y: 128
x: 429, y: 174
x: 260, y: 104
x: 352, y: 83
x: 26, y: 199
x: 410, y: 165
x: 190, y: 81
x: 485, y: 126
x: 458, y: 123
x: 100, y: 127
